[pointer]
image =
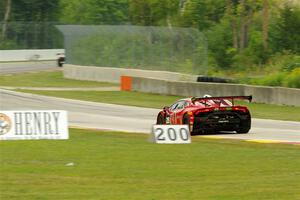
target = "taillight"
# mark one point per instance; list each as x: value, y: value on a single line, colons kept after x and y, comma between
x: 242, y: 109
x: 204, y: 110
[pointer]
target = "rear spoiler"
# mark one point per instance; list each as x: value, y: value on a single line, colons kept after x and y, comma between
x: 232, y: 98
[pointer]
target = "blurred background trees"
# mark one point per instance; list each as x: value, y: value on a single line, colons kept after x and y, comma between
x: 252, y: 36
x: 93, y: 11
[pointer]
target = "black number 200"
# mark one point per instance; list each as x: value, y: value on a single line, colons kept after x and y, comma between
x: 172, y: 135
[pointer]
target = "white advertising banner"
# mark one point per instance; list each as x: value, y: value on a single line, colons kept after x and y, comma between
x: 34, y: 125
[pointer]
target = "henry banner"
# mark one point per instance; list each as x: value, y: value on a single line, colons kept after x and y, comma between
x: 33, y: 125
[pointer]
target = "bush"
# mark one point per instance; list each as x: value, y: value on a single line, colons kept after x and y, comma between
x: 276, y: 79
x: 283, y: 79
x: 293, y: 79
x: 284, y: 61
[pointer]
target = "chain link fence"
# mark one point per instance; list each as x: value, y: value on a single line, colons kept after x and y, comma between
x: 30, y: 35
x: 153, y: 48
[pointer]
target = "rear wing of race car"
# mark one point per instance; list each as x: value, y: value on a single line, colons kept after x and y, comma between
x: 232, y: 98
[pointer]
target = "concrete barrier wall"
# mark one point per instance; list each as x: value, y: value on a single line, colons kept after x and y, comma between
x: 269, y: 95
x: 29, y: 54
x: 109, y: 74
x: 172, y: 83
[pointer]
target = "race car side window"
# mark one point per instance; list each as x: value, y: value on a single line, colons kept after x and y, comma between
x: 178, y: 105
x: 181, y: 105
x: 186, y: 103
x: 174, y: 106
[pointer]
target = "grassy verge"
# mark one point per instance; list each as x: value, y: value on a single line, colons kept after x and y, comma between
x: 46, y: 79
x: 114, y: 97
x: 268, y: 111
x: 264, y: 111
x: 112, y: 165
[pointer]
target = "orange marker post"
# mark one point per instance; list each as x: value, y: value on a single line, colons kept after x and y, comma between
x: 126, y: 82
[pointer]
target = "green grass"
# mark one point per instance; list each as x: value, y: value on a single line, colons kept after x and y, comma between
x: 268, y: 111
x: 264, y: 111
x: 114, y: 97
x: 113, y: 165
x: 46, y: 79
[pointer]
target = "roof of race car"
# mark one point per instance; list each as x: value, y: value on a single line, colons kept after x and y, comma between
x: 202, y: 104
x: 206, y: 98
x: 215, y: 101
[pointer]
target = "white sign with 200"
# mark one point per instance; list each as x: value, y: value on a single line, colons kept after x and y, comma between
x: 171, y: 134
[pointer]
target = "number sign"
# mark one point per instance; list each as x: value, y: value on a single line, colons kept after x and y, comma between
x: 171, y: 134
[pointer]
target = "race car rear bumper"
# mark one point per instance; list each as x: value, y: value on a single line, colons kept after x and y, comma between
x: 221, y: 121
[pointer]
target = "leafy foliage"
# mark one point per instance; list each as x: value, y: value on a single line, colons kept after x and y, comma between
x: 241, y: 34
x: 34, y: 10
x: 286, y: 30
x: 31, y: 25
x: 152, y: 12
x: 93, y: 12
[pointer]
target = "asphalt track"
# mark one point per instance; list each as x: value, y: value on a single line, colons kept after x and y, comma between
x: 30, y: 66
x: 135, y: 119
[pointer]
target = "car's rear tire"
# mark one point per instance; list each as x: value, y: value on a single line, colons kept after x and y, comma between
x: 245, y: 127
x: 243, y: 130
x: 160, y: 119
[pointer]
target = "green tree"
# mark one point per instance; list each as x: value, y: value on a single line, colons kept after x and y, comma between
x: 220, y: 44
x: 201, y: 14
x: 34, y: 10
x: 285, y: 31
x: 93, y: 11
x: 6, y: 12
x: 26, y: 24
x: 153, y: 12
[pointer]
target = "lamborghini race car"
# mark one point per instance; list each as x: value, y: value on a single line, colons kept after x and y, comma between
x: 208, y: 114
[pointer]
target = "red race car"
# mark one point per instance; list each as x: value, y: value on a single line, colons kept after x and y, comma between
x: 208, y: 114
